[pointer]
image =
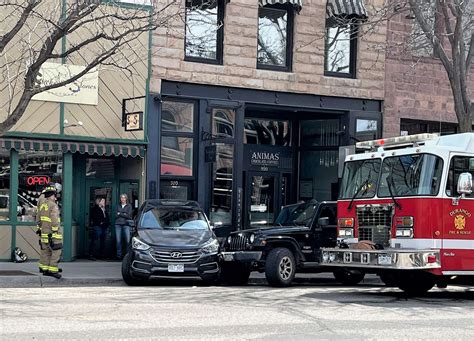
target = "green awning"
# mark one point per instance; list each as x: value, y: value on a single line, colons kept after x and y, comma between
x: 100, y: 149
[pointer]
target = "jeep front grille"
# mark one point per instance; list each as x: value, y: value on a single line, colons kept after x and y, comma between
x: 375, y: 223
x: 164, y: 256
x: 238, y: 242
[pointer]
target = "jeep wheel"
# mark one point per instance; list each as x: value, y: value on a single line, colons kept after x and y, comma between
x: 280, y: 267
x: 348, y: 277
x: 235, y: 273
x: 127, y: 272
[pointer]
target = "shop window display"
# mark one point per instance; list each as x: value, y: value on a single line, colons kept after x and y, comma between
x: 36, y: 169
x: 4, y: 185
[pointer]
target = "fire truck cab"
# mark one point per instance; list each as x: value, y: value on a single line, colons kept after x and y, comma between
x: 406, y: 211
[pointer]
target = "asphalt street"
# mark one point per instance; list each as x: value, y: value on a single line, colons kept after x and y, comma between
x: 189, y: 311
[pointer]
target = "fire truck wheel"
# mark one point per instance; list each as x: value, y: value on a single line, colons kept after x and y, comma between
x: 348, y: 277
x: 280, y: 267
x: 390, y: 279
x: 416, y: 283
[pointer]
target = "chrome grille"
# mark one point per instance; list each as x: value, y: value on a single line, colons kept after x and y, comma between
x: 375, y: 223
x: 238, y: 242
x: 164, y: 256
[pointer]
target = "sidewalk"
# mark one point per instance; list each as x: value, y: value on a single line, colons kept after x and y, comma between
x: 108, y: 273
x: 77, y: 273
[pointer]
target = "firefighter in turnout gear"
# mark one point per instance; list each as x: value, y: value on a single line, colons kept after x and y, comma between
x: 42, y: 200
x: 51, y: 237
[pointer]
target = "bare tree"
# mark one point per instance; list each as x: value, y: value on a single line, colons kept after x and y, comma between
x: 33, y: 32
x: 442, y: 29
x: 449, y: 31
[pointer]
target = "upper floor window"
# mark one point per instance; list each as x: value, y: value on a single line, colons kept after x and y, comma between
x: 204, y: 31
x: 275, y: 36
x: 342, y: 17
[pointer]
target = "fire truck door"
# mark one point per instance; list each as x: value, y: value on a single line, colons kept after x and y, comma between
x: 458, y: 220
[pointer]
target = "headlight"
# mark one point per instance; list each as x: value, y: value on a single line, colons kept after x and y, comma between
x: 137, y: 244
x: 252, y: 238
x: 229, y: 239
x: 211, y: 247
x: 346, y: 232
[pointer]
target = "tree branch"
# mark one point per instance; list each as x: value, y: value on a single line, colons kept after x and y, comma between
x: 6, y: 38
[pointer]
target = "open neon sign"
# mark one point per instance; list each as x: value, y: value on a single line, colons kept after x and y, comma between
x: 38, y: 180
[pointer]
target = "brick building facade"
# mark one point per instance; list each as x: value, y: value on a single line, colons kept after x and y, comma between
x: 418, y: 97
x: 254, y: 100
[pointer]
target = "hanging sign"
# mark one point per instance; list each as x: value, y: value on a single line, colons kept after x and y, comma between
x: 134, y: 121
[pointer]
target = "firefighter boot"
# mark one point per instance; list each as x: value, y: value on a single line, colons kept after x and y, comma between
x: 56, y: 275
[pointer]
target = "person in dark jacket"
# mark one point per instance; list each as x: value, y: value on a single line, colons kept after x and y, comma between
x: 122, y: 229
x: 99, y: 222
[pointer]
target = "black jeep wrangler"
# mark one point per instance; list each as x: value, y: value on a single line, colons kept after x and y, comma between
x: 292, y: 244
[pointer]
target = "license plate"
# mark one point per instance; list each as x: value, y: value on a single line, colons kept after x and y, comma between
x: 385, y: 259
x: 228, y: 257
x: 175, y: 267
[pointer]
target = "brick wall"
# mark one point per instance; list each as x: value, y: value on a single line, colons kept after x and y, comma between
x: 415, y: 87
x: 240, y: 56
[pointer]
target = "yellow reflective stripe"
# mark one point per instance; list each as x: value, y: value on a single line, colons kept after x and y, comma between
x: 43, y: 266
x: 53, y: 268
x: 57, y: 236
x: 55, y: 228
x: 59, y: 220
x: 44, y: 235
x: 43, y: 218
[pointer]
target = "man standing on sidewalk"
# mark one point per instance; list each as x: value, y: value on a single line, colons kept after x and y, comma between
x: 51, y: 238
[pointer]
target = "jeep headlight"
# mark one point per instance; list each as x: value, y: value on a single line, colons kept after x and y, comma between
x: 211, y: 247
x: 137, y: 244
x: 252, y: 238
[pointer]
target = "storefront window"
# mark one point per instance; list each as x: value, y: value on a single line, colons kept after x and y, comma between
x: 100, y: 168
x: 36, y: 169
x: 318, y: 175
x: 366, y: 130
x: 223, y: 122
x: 4, y: 185
x: 176, y: 156
x: 319, y: 133
x: 177, y: 116
x: 267, y: 132
x: 221, y: 209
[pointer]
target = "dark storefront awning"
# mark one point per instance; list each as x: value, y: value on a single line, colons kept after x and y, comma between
x: 101, y: 149
x: 296, y: 3
x: 345, y: 9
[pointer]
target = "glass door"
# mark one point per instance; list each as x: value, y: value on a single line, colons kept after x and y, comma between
x: 98, y: 190
x: 262, y: 198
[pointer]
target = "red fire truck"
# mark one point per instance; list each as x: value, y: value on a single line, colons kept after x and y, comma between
x: 406, y: 211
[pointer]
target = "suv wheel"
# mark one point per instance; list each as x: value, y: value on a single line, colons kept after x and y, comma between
x: 348, y: 277
x: 235, y: 273
x: 280, y: 267
x: 127, y: 271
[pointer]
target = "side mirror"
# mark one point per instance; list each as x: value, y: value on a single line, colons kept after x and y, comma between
x: 465, y: 183
x: 324, y: 221
x: 131, y: 223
